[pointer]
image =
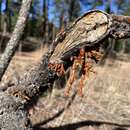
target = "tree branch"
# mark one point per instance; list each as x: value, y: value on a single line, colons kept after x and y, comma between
x: 16, y: 35
x: 87, y: 31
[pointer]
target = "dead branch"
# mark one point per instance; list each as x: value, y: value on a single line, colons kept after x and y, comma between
x: 87, y: 31
x: 16, y: 35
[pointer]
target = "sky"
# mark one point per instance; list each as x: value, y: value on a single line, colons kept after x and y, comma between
x: 84, y: 7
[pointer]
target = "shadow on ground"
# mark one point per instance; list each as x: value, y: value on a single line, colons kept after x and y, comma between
x: 77, y: 125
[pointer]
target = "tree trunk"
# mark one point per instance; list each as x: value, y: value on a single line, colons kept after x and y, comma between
x: 0, y: 14
x: 53, y: 32
x: 61, y: 18
x: 71, y: 9
x: 7, y: 18
x: 45, y: 21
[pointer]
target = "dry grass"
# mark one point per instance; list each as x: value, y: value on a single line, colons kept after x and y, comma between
x: 106, y: 98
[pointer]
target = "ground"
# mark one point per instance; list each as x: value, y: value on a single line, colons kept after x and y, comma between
x: 105, y: 104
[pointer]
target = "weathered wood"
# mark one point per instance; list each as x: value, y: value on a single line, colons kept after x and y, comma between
x: 88, y: 30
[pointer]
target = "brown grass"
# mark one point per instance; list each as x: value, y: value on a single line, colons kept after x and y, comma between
x: 106, y: 100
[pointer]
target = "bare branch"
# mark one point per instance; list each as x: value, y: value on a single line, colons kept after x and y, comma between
x: 14, y: 41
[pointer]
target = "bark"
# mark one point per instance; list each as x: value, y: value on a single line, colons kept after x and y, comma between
x: 14, y: 41
x: 39, y: 78
x: 12, y: 114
